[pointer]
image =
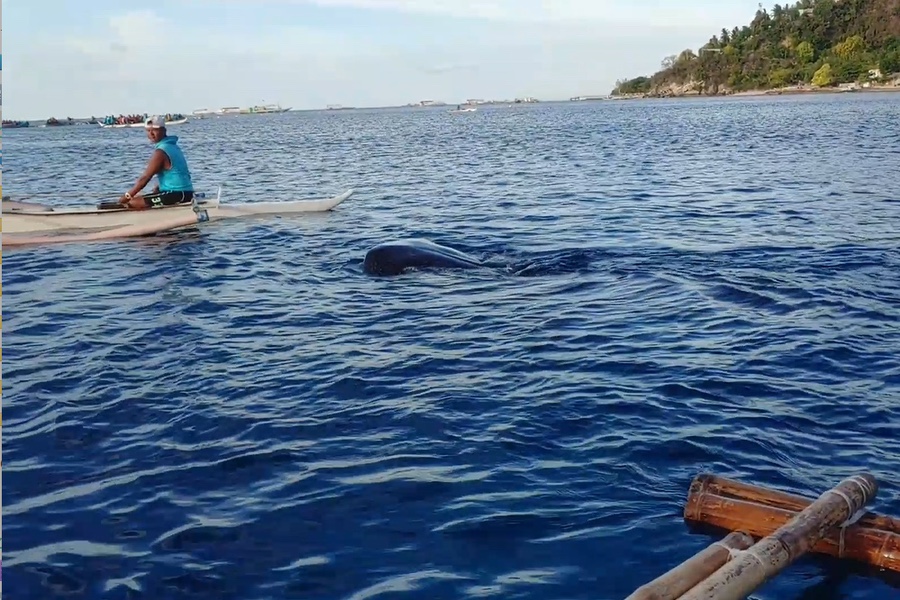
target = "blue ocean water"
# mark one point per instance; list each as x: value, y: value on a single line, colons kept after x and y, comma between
x: 239, y: 412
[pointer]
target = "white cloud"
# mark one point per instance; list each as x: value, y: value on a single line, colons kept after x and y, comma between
x: 134, y: 25
x: 706, y: 13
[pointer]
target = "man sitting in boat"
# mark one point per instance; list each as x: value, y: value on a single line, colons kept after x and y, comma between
x: 174, y: 185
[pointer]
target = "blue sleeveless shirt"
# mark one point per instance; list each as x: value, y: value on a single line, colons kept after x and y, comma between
x: 177, y: 178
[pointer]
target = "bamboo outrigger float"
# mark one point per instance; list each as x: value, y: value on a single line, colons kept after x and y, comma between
x: 785, y: 527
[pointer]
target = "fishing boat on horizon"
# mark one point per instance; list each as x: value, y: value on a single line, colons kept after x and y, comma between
x: 136, y: 122
x: 264, y: 109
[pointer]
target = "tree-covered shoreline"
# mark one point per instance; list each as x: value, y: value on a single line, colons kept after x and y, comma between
x: 818, y: 43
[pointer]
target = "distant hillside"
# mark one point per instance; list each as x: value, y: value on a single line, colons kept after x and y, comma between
x: 818, y: 42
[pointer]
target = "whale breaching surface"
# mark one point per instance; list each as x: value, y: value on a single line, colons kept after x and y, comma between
x: 392, y: 258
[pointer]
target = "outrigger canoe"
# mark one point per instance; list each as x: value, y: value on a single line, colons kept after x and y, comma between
x: 21, y: 220
x: 139, y: 124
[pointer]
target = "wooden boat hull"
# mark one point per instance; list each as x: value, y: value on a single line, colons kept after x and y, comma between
x: 37, y: 219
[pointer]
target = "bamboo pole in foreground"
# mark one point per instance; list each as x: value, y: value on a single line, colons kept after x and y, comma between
x: 738, y: 578
x: 873, y: 540
x: 672, y: 584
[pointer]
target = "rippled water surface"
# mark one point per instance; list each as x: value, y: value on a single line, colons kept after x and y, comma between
x: 239, y: 412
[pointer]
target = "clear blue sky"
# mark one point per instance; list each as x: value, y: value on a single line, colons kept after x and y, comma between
x: 67, y: 58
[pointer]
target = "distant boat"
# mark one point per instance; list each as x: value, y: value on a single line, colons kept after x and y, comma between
x: 15, y: 124
x: 237, y: 110
x: 54, y: 122
x: 463, y: 110
x: 264, y: 109
x: 140, y: 124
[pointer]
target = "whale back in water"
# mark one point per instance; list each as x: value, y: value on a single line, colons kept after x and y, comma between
x: 392, y: 258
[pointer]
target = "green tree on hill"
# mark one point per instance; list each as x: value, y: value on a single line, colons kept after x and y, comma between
x: 805, y: 52
x: 890, y: 63
x: 851, y: 47
x: 823, y: 76
x: 787, y: 45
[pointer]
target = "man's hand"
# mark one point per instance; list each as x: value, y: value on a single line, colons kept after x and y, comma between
x: 156, y: 164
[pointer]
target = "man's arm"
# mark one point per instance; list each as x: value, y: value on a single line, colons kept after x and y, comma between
x: 155, y: 165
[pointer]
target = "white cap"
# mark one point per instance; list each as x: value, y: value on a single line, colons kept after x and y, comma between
x: 155, y: 122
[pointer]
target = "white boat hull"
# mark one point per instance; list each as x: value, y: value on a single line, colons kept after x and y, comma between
x: 29, y: 219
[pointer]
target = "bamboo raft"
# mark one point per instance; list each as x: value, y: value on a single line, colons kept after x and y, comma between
x: 769, y: 530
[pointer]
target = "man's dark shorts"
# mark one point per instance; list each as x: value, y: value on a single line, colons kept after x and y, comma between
x: 168, y: 198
